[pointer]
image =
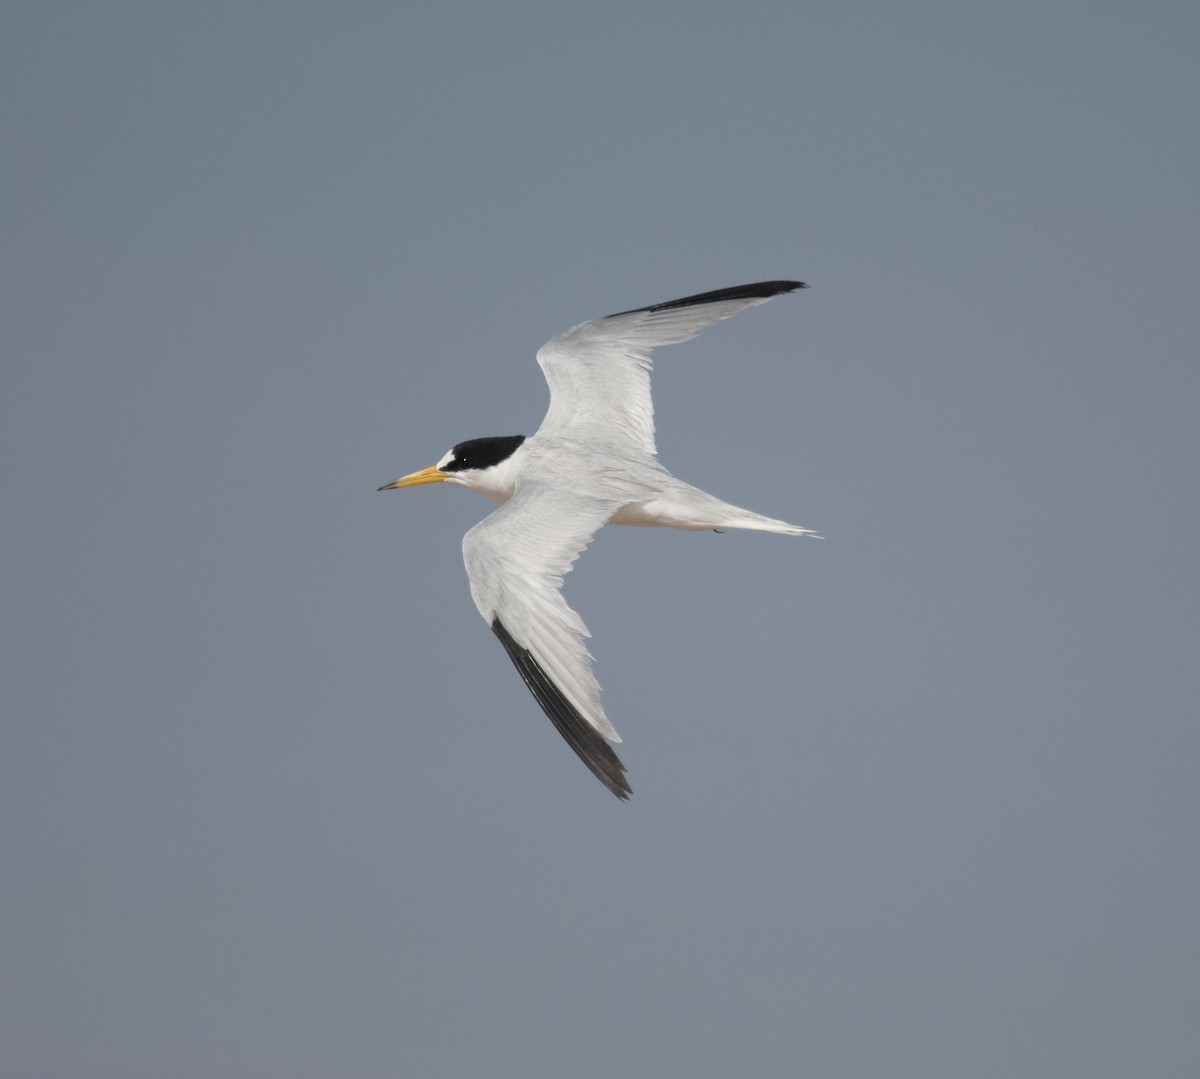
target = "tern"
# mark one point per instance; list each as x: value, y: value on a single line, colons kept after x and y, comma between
x: 592, y: 462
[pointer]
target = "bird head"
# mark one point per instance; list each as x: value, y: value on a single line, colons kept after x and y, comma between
x: 478, y: 463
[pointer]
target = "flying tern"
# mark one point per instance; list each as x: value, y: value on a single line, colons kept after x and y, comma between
x: 592, y: 462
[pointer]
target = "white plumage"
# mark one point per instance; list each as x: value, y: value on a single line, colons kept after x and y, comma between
x: 591, y: 462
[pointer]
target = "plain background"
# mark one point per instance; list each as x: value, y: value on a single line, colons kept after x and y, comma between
x: 917, y: 800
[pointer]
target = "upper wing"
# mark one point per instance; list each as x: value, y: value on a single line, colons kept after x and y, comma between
x: 599, y: 371
x: 515, y: 561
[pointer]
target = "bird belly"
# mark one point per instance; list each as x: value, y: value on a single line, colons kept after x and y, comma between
x: 662, y: 513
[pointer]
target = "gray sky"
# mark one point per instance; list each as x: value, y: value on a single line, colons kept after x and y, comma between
x: 918, y: 800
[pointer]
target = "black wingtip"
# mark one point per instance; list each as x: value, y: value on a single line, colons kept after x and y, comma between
x: 580, y: 735
x: 758, y: 290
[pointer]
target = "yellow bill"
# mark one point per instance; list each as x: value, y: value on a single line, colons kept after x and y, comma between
x: 415, y: 479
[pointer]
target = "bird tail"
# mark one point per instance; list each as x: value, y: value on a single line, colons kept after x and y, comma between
x: 740, y: 518
x: 689, y: 508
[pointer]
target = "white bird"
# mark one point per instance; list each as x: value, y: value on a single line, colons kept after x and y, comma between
x: 592, y: 462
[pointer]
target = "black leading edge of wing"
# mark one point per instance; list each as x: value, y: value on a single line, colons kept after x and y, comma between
x: 760, y: 290
x: 580, y: 735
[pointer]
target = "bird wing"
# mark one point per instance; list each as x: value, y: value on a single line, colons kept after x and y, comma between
x: 516, y: 559
x: 599, y: 371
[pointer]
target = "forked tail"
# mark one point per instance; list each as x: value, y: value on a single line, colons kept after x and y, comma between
x: 741, y: 518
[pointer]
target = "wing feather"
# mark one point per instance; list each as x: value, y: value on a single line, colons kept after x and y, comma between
x: 515, y: 560
x: 599, y: 371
